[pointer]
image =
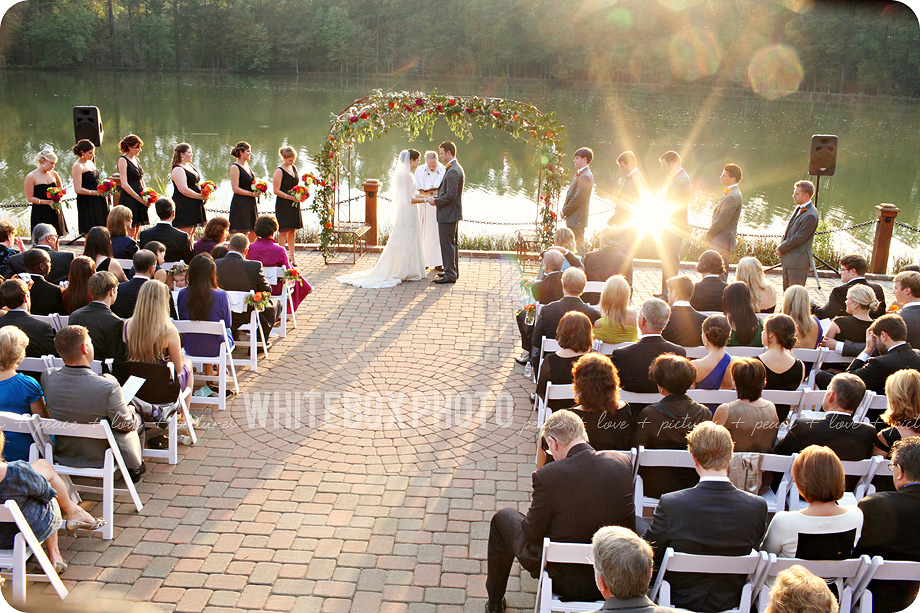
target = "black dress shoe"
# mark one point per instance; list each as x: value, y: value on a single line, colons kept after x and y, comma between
x: 439, y: 268
x: 495, y: 608
x: 440, y: 274
x: 444, y: 280
x: 524, y: 359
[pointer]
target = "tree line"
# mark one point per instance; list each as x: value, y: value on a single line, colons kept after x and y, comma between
x: 867, y: 47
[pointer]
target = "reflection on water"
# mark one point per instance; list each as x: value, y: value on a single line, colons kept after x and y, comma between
x: 770, y: 140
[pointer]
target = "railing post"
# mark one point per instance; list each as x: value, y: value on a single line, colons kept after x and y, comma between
x: 371, y: 187
x: 883, y: 230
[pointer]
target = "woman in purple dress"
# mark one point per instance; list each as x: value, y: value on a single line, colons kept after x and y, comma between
x: 215, y: 232
x: 270, y: 253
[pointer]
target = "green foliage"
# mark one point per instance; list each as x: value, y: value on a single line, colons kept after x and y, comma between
x: 60, y: 34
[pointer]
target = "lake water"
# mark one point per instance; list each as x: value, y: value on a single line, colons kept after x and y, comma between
x: 769, y: 139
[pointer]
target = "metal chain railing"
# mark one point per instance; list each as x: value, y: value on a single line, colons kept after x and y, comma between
x: 907, y: 227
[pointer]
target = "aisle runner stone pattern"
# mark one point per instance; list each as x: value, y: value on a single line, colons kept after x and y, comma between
x: 321, y: 517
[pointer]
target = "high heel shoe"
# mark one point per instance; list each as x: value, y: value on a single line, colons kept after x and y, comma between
x: 72, y: 525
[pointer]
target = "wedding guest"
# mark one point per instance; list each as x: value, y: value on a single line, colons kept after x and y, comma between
x: 219, y: 251
x: 42, y: 497
x: 751, y: 420
x: 763, y: 295
x: 852, y: 272
x: 119, y: 225
x: 287, y: 207
x: 746, y: 326
x: 860, y: 302
x: 544, y: 291
x: 237, y: 274
x: 712, y: 370
x: 707, y: 293
x: 19, y: 393
x: 607, y: 261
x: 564, y: 243
x: 177, y: 243
x: 797, y: 590
x: 132, y: 184
x: 145, y: 263
x: 98, y: 248
x: 685, y: 327
x: 215, y: 232
x: 428, y: 177
x: 902, y: 389
x: 575, y: 339
x: 186, y: 181
x: 270, y: 253
x: 832, y: 530
x: 76, y: 296
x: 243, y: 211
x: 10, y: 244
x: 573, y: 284
x: 633, y: 362
x: 45, y: 238
x: 619, y: 320
x: 784, y: 370
x: 14, y: 295
x: 808, y: 330
x: 44, y: 298
x: 159, y: 250
x: 608, y: 419
x: 36, y: 187
x: 149, y: 335
x: 104, y: 326
x: 92, y: 209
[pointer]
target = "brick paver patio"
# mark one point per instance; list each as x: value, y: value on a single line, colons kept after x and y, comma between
x: 337, y: 480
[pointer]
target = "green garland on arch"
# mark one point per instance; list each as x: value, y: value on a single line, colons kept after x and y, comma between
x: 416, y: 113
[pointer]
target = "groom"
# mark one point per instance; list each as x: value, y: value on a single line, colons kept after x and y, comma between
x: 450, y: 211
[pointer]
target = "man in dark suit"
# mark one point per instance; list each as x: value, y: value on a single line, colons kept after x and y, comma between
x: 580, y: 492
x: 544, y: 291
x: 104, y: 326
x: 623, y: 564
x: 679, y: 194
x: 724, y: 228
x: 852, y: 272
x: 450, y: 211
x: 685, y: 326
x: 14, y: 295
x: 795, y: 249
x: 145, y: 265
x: 907, y: 297
x: 44, y: 237
x: 578, y: 197
x: 607, y: 261
x: 237, y: 274
x: 714, y: 518
x: 176, y: 241
x: 45, y: 298
x: 573, y: 284
x: 888, y: 334
x: 633, y: 360
x: 707, y: 293
x: 890, y: 526
x: 848, y: 439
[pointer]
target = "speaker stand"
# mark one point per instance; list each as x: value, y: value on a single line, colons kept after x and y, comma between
x: 76, y: 239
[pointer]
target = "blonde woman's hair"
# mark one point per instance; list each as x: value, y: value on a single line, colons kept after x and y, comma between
x: 287, y: 152
x: 864, y: 296
x: 902, y: 389
x: 13, y: 343
x: 564, y: 237
x: 46, y: 154
x: 148, y: 326
x: 797, y: 305
x: 750, y: 272
x: 615, y: 299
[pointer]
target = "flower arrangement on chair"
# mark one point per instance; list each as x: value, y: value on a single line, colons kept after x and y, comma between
x: 259, y: 300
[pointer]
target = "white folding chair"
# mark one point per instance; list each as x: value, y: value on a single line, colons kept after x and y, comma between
x: 864, y: 469
x: 51, y: 320
x: 695, y: 353
x: 222, y: 360
x: 871, y: 402
x: 238, y: 305
x: 62, y: 322
x: 744, y: 352
x: 847, y: 575
x: 46, y: 428
x: 671, y: 458
x: 750, y: 565
x: 883, y: 470
x: 713, y: 396
x: 561, y: 553
x: 774, y: 463
x: 815, y: 357
x: 33, y: 365
x: 884, y: 570
x: 126, y: 264
x: 274, y: 274
x: 837, y: 359
x: 809, y: 398
x: 594, y: 287
x: 20, y: 424
x: 96, y: 366
x: 25, y: 545
x: 547, y: 345
x: 558, y: 391
x: 607, y: 348
x: 640, y: 397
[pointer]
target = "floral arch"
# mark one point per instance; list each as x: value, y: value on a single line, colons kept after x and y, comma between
x: 370, y: 117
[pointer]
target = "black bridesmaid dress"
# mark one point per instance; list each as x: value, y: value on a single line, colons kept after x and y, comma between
x: 243, y: 210
x: 44, y: 213
x: 287, y: 212
x: 138, y: 208
x: 91, y: 210
x: 189, y: 211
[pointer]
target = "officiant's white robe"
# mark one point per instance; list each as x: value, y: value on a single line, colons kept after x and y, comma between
x: 431, y: 246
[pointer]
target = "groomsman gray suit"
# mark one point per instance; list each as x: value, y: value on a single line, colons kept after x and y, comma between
x: 450, y: 212
x: 795, y: 249
x: 724, y: 228
x: 575, y: 207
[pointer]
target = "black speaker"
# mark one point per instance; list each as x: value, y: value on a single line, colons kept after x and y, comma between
x: 87, y: 124
x: 823, y: 160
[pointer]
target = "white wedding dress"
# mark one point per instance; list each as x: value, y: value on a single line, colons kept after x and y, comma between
x: 403, y: 257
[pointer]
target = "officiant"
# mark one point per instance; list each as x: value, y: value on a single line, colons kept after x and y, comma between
x: 429, y: 176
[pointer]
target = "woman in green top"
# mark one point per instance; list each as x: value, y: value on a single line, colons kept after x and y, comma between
x: 737, y: 306
x: 618, y: 322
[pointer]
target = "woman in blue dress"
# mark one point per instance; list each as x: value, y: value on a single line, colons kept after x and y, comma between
x: 712, y: 370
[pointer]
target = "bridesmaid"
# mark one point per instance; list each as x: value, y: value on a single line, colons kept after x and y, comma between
x: 243, y: 211
x: 287, y: 207
x: 132, y: 182
x: 186, y: 191
x: 92, y: 209
x: 36, y: 186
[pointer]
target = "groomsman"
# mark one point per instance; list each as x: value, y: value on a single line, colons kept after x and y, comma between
x: 628, y: 202
x: 429, y: 177
x: 724, y: 228
x: 679, y: 193
x: 795, y: 250
x: 578, y: 198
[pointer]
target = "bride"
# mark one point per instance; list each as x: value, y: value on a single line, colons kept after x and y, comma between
x: 402, y: 259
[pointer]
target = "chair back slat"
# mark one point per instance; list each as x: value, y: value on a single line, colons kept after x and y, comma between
x: 568, y: 553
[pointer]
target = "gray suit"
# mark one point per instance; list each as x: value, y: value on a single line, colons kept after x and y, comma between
x: 449, y: 202
x: 795, y: 249
x: 77, y: 394
x: 676, y: 228
x: 635, y: 605
x: 575, y: 207
x: 724, y: 229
